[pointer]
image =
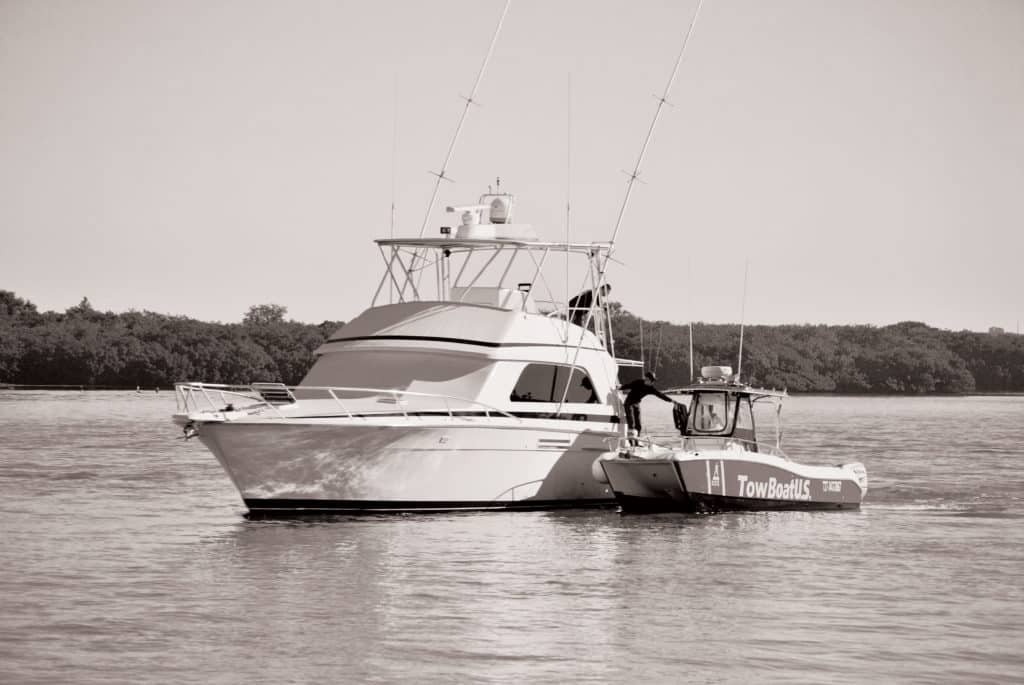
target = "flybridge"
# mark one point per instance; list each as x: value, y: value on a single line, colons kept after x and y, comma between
x: 487, y: 260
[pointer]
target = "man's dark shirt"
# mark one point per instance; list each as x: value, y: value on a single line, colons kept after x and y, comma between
x: 581, y: 304
x: 640, y: 389
x: 582, y: 301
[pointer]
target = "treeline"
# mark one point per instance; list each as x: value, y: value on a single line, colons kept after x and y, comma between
x: 907, y: 357
x: 83, y: 346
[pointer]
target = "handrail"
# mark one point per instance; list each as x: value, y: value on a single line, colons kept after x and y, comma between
x: 762, y: 447
x: 187, y: 400
x: 186, y: 395
x: 671, y: 442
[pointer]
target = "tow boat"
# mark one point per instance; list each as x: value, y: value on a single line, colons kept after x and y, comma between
x: 467, y: 384
x: 719, y: 462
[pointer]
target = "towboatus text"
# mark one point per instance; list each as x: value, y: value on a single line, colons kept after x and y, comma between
x: 795, y: 488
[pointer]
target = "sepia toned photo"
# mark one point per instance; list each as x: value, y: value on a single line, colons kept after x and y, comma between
x: 511, y: 342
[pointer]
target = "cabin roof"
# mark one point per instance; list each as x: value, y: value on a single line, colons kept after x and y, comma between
x: 727, y: 386
x: 468, y: 243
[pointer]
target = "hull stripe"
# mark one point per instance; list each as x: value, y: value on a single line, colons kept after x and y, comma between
x: 699, y: 502
x: 564, y: 416
x: 293, y: 507
x: 461, y: 341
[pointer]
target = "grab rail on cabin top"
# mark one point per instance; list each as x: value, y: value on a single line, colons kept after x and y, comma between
x: 188, y: 396
x: 689, y: 443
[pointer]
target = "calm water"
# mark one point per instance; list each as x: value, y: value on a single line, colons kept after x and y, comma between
x: 125, y: 557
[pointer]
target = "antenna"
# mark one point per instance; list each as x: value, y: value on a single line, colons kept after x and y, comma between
x: 394, y: 171
x: 394, y: 157
x: 691, y: 349
x: 657, y: 353
x: 568, y: 192
x: 458, y: 129
x: 743, y: 318
x: 689, y: 296
x: 642, y: 362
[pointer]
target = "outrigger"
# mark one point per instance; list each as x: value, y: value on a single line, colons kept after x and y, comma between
x: 719, y: 463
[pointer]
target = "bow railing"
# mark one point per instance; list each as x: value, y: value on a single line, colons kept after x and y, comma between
x: 287, y: 402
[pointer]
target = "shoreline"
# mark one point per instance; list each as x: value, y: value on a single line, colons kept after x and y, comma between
x: 156, y: 389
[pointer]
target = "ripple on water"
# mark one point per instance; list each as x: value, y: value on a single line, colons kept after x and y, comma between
x: 127, y: 557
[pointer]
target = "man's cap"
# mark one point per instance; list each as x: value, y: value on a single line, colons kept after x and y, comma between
x: 650, y: 375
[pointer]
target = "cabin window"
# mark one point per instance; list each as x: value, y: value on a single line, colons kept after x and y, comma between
x: 744, y: 417
x: 547, y: 383
x: 711, y: 413
x: 630, y: 371
x: 745, y: 423
x: 431, y: 372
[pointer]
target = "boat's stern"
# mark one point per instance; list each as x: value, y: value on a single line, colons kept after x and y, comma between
x: 643, y: 477
x: 646, y: 484
x: 859, y: 474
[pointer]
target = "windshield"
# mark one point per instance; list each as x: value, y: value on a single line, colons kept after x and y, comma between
x: 420, y: 370
x: 710, y: 413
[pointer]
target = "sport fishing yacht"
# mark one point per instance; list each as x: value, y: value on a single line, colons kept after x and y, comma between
x: 720, y: 462
x: 473, y: 386
x: 467, y: 384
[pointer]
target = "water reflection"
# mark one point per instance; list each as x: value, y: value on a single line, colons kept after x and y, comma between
x: 522, y: 594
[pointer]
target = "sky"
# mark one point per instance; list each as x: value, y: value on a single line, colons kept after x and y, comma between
x: 866, y: 159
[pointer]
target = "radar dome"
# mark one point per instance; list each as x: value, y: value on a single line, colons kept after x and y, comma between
x: 716, y: 372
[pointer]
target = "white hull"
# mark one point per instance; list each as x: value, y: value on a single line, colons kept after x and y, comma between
x: 474, y: 400
x: 357, y: 464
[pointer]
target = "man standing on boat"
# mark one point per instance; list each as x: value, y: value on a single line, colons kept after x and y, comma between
x: 636, y: 391
x: 580, y: 305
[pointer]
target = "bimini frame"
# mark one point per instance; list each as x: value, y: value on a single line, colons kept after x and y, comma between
x: 735, y: 387
x: 453, y: 267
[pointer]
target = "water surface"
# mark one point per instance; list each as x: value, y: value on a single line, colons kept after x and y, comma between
x: 126, y: 557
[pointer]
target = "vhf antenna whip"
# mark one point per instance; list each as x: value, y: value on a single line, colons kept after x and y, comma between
x: 394, y: 156
x: 743, y: 319
x: 689, y: 306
